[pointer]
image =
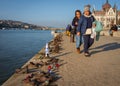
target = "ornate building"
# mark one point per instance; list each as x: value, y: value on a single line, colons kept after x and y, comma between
x: 107, y: 15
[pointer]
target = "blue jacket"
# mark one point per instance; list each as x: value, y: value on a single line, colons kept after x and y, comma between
x: 82, y: 24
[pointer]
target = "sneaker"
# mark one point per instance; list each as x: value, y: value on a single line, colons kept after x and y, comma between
x: 87, y: 55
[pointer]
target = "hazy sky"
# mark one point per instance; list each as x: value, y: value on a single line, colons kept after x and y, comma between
x: 57, y: 13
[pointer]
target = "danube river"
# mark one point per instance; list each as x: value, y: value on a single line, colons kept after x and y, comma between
x: 17, y: 47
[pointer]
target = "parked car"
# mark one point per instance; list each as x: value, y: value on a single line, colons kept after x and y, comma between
x: 118, y: 27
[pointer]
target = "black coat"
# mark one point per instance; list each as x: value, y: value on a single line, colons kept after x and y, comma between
x: 74, y: 29
x: 74, y: 21
x: 114, y: 27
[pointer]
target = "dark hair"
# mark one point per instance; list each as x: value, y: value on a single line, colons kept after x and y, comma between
x: 77, y: 11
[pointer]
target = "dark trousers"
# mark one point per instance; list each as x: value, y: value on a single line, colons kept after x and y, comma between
x: 88, y: 41
x: 72, y: 36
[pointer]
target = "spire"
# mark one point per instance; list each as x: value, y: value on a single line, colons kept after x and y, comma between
x: 107, y: 1
x: 115, y: 7
x: 93, y: 10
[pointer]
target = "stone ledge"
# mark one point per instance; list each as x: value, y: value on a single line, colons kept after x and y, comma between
x: 106, y: 33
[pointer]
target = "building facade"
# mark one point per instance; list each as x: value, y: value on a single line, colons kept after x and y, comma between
x: 107, y: 15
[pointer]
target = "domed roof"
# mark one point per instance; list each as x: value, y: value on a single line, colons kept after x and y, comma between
x: 106, y: 6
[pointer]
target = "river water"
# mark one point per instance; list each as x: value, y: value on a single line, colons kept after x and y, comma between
x: 17, y: 47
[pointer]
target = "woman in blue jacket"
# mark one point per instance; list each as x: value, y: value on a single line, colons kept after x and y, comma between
x: 85, y: 29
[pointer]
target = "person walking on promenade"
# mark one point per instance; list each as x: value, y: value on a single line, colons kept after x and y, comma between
x: 75, y: 25
x: 68, y: 29
x: 85, y: 29
x: 113, y: 29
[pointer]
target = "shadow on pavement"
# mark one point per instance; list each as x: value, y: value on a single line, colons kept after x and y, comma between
x: 62, y: 54
x: 106, y: 47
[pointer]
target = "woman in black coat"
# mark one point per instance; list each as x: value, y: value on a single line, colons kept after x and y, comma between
x: 74, y: 29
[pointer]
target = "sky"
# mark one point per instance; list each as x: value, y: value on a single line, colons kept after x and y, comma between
x: 54, y: 13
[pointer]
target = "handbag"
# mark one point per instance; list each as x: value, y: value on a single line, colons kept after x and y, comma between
x: 88, y: 31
